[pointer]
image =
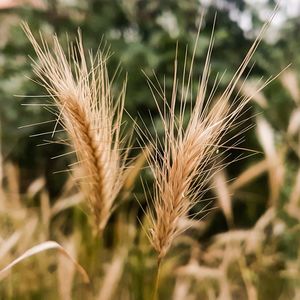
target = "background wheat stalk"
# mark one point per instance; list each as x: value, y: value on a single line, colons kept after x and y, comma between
x: 186, y: 158
x: 82, y: 90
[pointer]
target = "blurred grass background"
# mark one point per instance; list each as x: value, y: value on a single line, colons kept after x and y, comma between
x: 246, y: 248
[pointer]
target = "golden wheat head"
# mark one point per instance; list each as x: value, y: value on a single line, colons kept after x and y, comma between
x: 185, y: 159
x: 82, y: 92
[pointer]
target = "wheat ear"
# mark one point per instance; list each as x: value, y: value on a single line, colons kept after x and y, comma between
x: 82, y: 92
x: 185, y: 159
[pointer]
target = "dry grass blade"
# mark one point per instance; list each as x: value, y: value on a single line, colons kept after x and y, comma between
x: 82, y: 92
x: 199, y: 272
x: 249, y: 89
x: 293, y: 204
x: 135, y: 169
x: 181, y: 289
x: 36, y: 186
x: 66, y: 270
x: 250, y: 174
x: 8, y: 4
x: 184, y: 161
x: 246, y: 275
x: 294, y: 123
x: 112, y: 276
x: 2, y: 193
x: 66, y: 203
x: 31, y: 224
x: 12, y: 175
x: 1, y: 161
x: 8, y: 244
x: 290, y: 81
x: 40, y: 248
x: 45, y: 213
x: 252, y: 239
x: 275, y: 167
x: 295, y: 195
x: 224, y: 198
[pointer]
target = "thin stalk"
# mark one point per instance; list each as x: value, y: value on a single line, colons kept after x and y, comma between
x: 156, y: 283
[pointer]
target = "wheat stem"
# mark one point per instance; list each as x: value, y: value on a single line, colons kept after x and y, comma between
x: 156, y: 280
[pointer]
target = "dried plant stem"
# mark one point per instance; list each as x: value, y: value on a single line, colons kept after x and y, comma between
x: 156, y: 280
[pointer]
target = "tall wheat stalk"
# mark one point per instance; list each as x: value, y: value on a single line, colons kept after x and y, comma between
x: 82, y: 91
x: 185, y: 159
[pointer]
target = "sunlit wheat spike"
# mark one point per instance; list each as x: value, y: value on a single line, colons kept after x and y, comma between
x: 184, y: 160
x: 82, y: 91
